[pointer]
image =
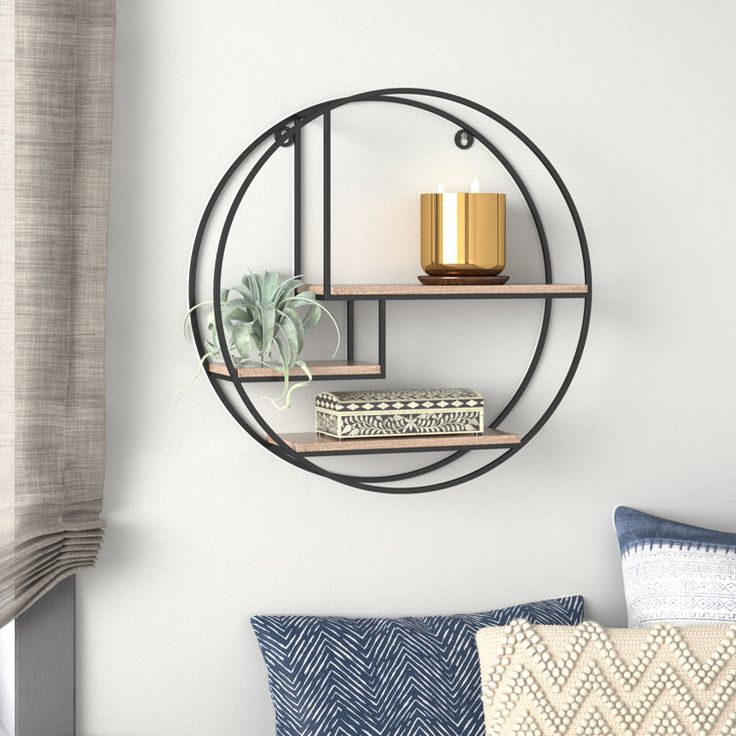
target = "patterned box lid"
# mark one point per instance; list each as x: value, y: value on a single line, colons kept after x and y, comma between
x: 413, y: 399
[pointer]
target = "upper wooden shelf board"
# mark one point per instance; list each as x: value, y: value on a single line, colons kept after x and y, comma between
x: 318, y: 369
x: 311, y: 443
x: 420, y: 291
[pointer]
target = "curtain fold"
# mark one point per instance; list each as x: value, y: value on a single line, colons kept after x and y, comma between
x: 56, y: 76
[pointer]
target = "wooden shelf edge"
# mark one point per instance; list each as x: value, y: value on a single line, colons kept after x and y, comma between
x: 311, y: 443
x: 316, y: 367
x: 421, y: 290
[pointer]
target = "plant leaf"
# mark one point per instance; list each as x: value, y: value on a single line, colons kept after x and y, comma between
x: 289, y: 390
x: 291, y: 317
x: 214, y: 340
x: 242, y: 332
x: 283, y: 357
x: 303, y: 296
x: 302, y: 299
x: 312, y: 317
x: 251, y: 281
x: 187, y: 316
x: 235, y: 309
x: 267, y: 314
x: 287, y: 332
x: 297, y: 385
x: 306, y: 370
x: 258, y: 334
x: 286, y: 287
x: 321, y: 308
x: 270, y: 287
x: 246, y: 293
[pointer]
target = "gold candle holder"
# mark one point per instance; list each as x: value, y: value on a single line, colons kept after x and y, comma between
x: 463, y: 234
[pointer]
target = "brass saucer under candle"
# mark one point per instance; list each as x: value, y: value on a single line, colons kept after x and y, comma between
x: 463, y: 280
x: 463, y: 238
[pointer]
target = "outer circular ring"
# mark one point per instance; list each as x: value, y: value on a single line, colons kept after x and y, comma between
x: 298, y: 121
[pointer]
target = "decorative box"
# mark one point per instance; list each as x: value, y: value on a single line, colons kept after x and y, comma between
x: 396, y: 413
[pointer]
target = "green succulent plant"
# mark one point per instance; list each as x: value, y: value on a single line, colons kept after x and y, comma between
x: 265, y: 319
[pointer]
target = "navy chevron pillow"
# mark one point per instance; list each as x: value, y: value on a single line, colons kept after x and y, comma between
x: 385, y: 677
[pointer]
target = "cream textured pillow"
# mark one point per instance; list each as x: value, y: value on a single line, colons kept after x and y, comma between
x: 585, y: 680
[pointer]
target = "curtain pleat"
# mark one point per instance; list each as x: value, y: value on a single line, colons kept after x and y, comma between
x: 56, y: 77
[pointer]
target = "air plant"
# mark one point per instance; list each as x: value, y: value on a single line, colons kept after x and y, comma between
x: 265, y: 320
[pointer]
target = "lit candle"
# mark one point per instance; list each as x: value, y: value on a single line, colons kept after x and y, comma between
x: 463, y: 233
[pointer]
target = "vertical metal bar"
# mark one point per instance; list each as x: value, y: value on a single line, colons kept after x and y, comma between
x: 351, y: 330
x: 44, y: 665
x: 297, y: 200
x: 382, y: 336
x: 327, y: 205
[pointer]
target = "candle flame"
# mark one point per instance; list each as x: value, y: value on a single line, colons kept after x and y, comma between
x: 475, y: 186
x: 440, y: 188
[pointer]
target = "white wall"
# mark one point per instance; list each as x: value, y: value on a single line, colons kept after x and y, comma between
x: 634, y: 104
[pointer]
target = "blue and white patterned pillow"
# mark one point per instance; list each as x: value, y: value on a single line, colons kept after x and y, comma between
x: 387, y: 677
x: 675, y: 573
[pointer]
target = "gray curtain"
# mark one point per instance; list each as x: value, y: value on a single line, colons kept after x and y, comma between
x: 56, y: 68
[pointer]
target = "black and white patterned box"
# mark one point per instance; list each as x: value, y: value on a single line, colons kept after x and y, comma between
x: 399, y: 413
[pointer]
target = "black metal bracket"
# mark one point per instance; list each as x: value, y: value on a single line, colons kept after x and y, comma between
x: 464, y: 139
x: 284, y: 136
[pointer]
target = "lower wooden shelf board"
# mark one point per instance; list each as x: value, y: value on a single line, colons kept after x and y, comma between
x: 318, y: 369
x: 311, y: 443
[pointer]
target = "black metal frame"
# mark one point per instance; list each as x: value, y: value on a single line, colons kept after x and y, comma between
x: 287, y: 133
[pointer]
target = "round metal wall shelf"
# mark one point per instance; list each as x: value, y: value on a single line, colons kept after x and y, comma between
x: 287, y: 133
